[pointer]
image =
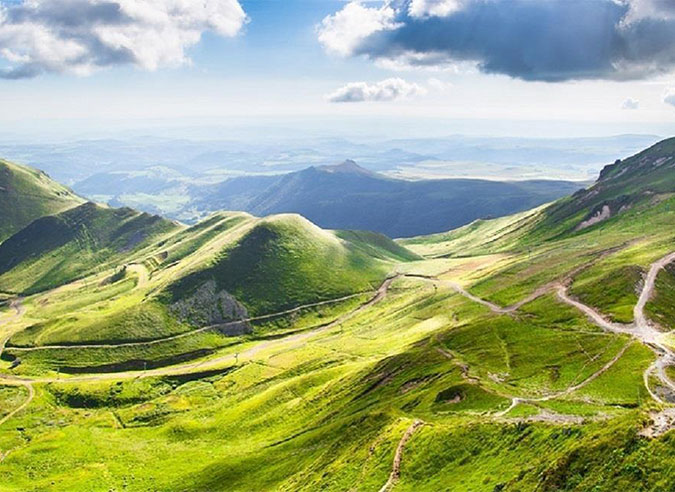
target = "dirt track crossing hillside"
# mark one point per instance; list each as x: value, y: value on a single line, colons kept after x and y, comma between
x: 217, y: 362
x: 398, y: 457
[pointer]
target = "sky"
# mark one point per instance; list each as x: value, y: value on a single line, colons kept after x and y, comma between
x: 398, y: 67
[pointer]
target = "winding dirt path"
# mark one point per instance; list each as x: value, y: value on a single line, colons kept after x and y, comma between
x: 214, y: 363
x: 141, y: 271
x: 648, y: 290
x: 29, y: 399
x: 591, y: 313
x: 649, y: 335
x: 398, y: 457
x: 188, y: 333
x: 641, y: 329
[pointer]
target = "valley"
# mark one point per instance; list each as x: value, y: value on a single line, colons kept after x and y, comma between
x: 527, y: 352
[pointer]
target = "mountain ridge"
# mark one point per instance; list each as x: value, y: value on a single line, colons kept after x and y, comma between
x: 27, y: 194
x: 348, y: 196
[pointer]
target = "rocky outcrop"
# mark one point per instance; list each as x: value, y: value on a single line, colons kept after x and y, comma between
x: 209, y: 307
x: 607, y: 210
x: 603, y: 214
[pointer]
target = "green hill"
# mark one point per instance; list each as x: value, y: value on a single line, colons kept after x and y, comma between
x: 285, y: 261
x: 27, y: 194
x: 230, y: 267
x: 57, y: 249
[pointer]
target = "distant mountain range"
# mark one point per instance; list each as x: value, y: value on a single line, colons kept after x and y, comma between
x: 347, y: 196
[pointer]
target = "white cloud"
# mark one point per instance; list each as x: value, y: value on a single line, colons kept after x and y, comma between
x: 655, y: 9
x: 630, y: 104
x: 342, y: 32
x: 669, y: 98
x: 80, y: 36
x: 433, y: 8
x: 387, y: 90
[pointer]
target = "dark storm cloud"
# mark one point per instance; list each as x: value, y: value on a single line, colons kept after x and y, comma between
x: 546, y: 40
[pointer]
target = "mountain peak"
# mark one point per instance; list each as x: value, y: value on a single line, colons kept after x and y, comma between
x: 347, y: 167
x: 660, y: 155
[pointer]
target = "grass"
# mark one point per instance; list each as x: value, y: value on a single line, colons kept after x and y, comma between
x: 10, y: 398
x: 58, y: 249
x: 622, y: 384
x: 121, y: 358
x: 661, y: 307
x: 325, y: 413
x: 26, y: 195
x: 611, y: 291
x: 306, y: 264
x: 501, y: 351
x: 140, y: 322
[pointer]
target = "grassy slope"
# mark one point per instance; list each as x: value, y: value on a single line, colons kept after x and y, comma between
x: 479, y: 237
x: 327, y: 414
x: 545, y: 245
x: 118, y: 307
x: 662, y: 307
x: 27, y: 194
x: 58, y: 249
x: 633, y: 182
x: 285, y: 261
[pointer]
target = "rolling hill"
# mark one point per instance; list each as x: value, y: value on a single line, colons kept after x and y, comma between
x: 524, y: 353
x: 58, y: 249
x: 155, y: 280
x: 346, y: 196
x: 27, y: 194
x: 286, y: 261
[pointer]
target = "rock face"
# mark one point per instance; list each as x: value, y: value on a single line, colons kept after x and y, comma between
x: 207, y: 307
x: 603, y: 214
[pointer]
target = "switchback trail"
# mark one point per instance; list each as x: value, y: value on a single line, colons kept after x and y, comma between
x: 214, y: 363
x: 398, y: 457
x: 641, y: 329
x: 649, y: 335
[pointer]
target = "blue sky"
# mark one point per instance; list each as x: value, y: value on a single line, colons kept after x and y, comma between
x: 363, y: 65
